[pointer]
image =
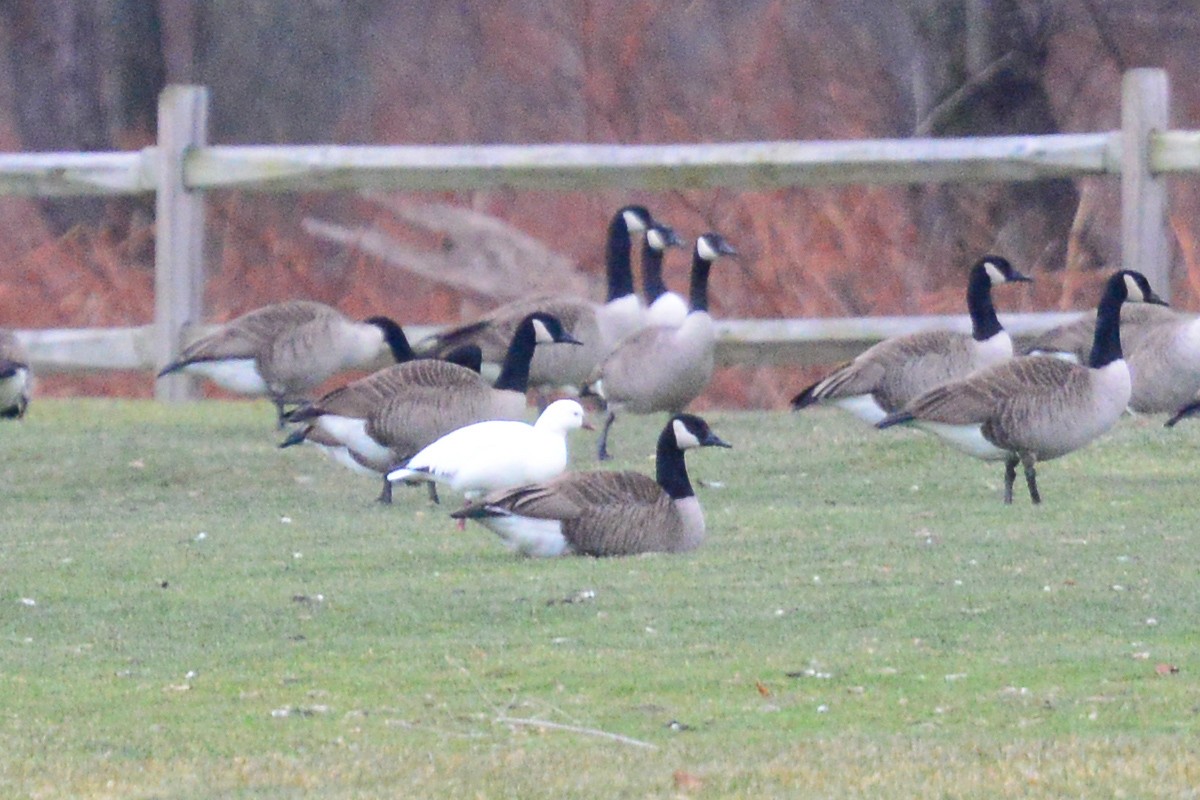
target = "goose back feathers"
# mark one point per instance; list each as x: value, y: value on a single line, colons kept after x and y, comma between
x: 895, y: 371
x: 605, y: 513
x: 598, y: 326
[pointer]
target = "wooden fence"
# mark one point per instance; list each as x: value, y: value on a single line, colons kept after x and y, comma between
x: 182, y: 167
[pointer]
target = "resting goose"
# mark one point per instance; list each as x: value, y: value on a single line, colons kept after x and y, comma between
x: 495, y: 454
x: 384, y: 418
x: 16, y: 382
x: 664, y: 368
x: 663, y: 307
x: 285, y: 350
x: 893, y: 372
x: 1036, y: 408
x: 603, y: 513
x: 598, y: 326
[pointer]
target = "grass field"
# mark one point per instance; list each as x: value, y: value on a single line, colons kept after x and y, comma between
x: 187, y: 611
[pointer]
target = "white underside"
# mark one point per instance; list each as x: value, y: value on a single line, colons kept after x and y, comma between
x: 352, y: 432
x: 342, y: 456
x: 862, y: 406
x: 12, y: 389
x: 235, y: 375
x: 967, y: 438
x: 537, y: 538
x: 669, y: 309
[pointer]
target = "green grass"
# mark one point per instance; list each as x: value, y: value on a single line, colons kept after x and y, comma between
x: 866, y: 620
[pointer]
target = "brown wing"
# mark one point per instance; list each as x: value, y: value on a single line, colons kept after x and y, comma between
x: 1016, y: 386
x: 251, y: 334
x: 493, y: 332
x: 1075, y: 337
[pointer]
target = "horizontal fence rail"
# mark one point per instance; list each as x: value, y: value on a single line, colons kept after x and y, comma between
x: 745, y: 341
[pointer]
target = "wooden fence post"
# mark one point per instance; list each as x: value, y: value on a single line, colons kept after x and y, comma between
x: 179, y: 232
x: 1145, y: 110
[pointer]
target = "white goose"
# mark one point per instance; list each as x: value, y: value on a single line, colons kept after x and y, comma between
x: 496, y: 454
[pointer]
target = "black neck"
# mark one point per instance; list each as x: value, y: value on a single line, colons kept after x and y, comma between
x: 1106, y: 345
x: 617, y: 260
x: 514, y: 372
x: 699, y: 295
x: 984, y: 323
x: 652, y: 279
x: 394, y: 336
x: 671, y: 471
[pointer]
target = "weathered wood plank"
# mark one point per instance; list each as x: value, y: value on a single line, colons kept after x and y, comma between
x: 741, y: 341
x: 593, y: 166
x: 179, y: 233
x: 72, y: 174
x: 1145, y: 108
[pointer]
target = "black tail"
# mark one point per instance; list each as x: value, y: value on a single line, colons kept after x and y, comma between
x: 895, y: 418
x: 296, y: 437
x: 304, y: 413
x: 805, y: 398
x: 1190, y: 410
x: 174, y: 366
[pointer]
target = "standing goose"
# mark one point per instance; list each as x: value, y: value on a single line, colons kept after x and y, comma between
x: 598, y: 326
x: 497, y: 453
x: 16, y: 382
x: 1036, y: 408
x: 664, y: 368
x: 663, y: 307
x: 602, y: 513
x: 888, y: 375
x: 384, y: 418
x: 285, y: 350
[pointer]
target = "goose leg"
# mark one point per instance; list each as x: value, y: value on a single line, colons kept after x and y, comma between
x: 602, y: 447
x: 385, y: 495
x: 433, y: 495
x: 1010, y: 477
x: 1027, y: 460
x: 280, y: 413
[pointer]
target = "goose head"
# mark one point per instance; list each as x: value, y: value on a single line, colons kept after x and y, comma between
x: 1133, y: 287
x: 636, y: 219
x: 660, y: 236
x: 562, y: 416
x: 996, y: 270
x: 711, y: 246
x: 691, y: 431
x: 548, y: 329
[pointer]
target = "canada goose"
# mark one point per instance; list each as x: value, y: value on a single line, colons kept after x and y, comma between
x: 497, y: 453
x: 886, y: 376
x: 664, y: 368
x: 16, y: 382
x: 287, y: 349
x: 598, y: 326
x: 663, y: 307
x: 384, y: 418
x: 1036, y: 408
x: 602, y: 513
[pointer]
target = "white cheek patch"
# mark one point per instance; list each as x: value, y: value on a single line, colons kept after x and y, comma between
x: 995, y: 275
x: 541, y: 334
x: 705, y: 250
x: 633, y: 222
x: 655, y: 239
x: 684, y: 438
x: 1133, y: 291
